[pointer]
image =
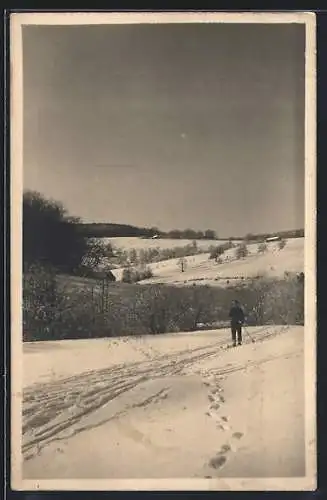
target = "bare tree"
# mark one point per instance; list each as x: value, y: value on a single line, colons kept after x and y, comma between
x: 262, y: 248
x: 182, y: 264
x: 241, y: 251
x: 281, y: 244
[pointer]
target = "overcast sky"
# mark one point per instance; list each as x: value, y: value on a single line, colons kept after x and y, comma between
x: 175, y: 126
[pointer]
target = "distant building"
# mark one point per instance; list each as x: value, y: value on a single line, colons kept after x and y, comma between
x: 109, y: 275
x: 273, y: 238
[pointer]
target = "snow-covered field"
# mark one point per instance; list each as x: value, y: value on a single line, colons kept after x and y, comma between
x: 200, y: 268
x: 166, y: 406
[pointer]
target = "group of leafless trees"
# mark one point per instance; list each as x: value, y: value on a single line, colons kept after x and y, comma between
x: 56, y: 311
x: 241, y: 249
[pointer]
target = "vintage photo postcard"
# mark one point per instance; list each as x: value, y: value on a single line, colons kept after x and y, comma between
x: 163, y: 271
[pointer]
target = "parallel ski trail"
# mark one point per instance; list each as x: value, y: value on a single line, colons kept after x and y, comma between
x: 52, y: 408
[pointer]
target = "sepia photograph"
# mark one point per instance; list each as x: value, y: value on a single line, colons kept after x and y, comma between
x: 163, y: 275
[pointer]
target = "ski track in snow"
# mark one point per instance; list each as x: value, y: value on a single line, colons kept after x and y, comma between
x: 51, y: 410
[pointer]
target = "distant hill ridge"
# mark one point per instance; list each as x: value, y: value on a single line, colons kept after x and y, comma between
x: 114, y: 230
x: 111, y: 230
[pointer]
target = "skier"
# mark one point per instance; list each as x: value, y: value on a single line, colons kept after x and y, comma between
x: 237, y: 317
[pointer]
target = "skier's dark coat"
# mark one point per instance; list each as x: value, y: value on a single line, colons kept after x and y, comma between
x: 236, y: 315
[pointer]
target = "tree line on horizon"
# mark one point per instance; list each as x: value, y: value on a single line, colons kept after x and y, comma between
x: 112, y: 230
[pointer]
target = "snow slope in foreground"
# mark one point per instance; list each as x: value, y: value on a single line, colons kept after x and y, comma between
x: 170, y: 406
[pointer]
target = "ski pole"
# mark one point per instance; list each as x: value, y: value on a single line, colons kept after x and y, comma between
x: 250, y: 336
